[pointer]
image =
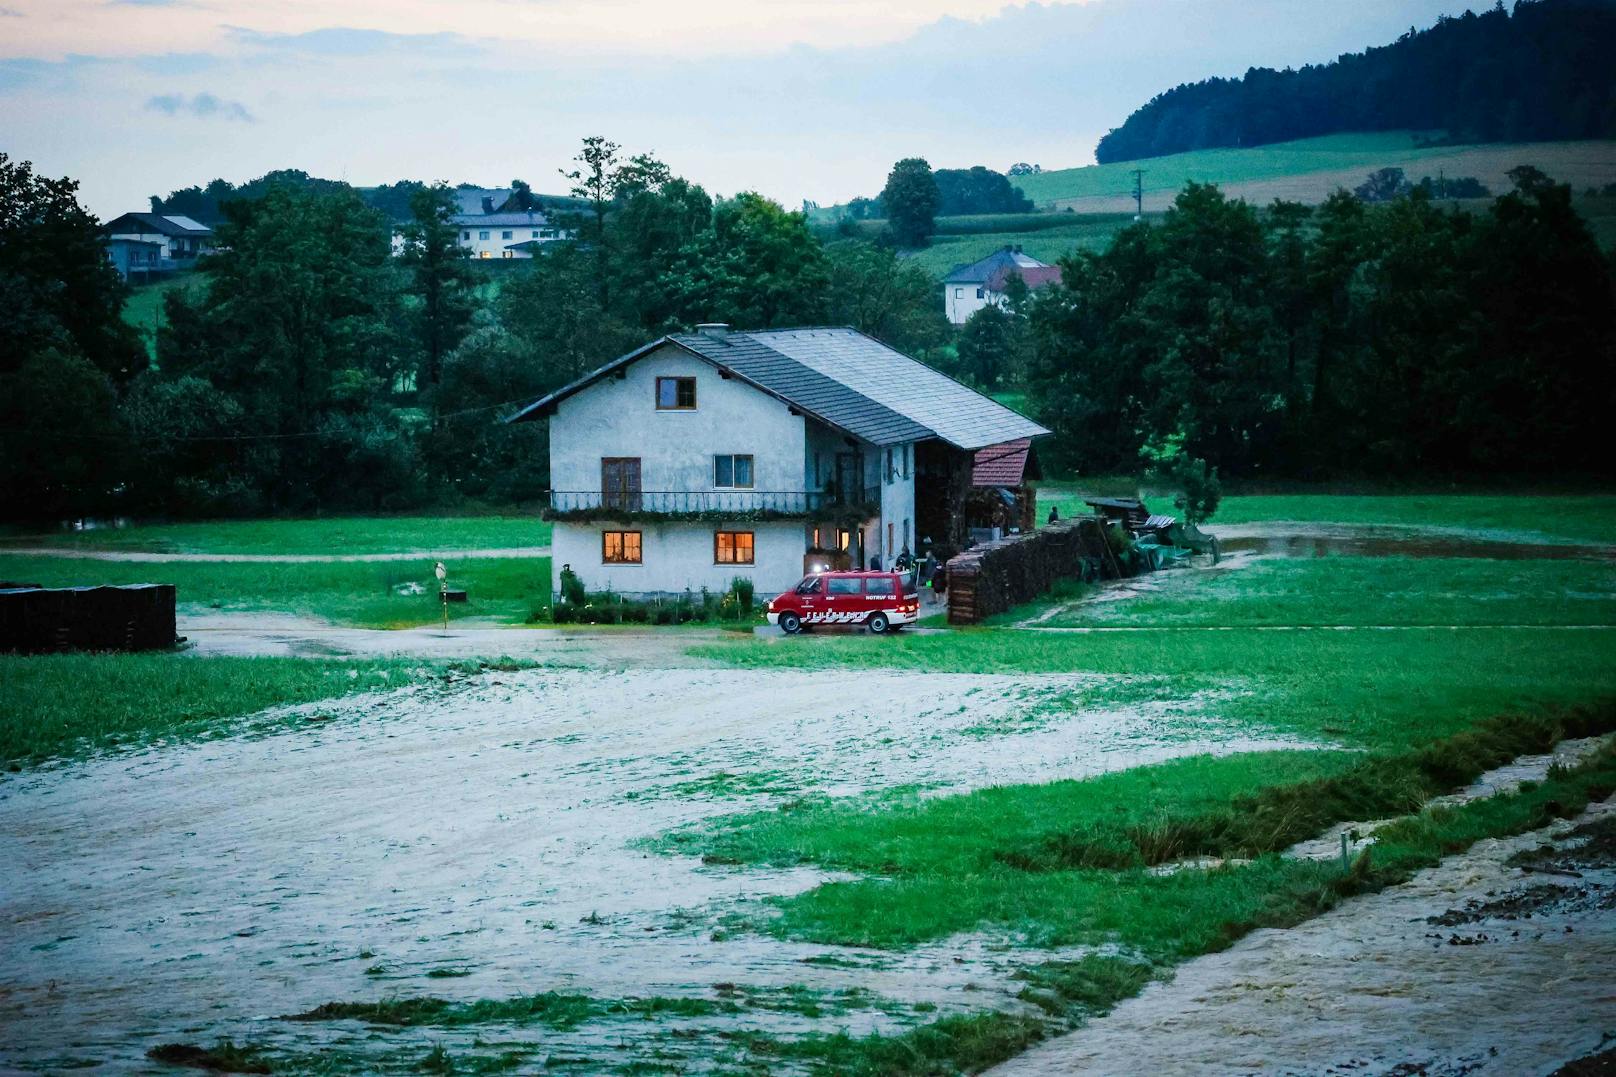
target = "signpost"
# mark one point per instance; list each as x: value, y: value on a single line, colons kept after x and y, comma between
x: 443, y: 593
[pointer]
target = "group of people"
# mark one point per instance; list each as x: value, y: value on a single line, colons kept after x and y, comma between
x: 933, y: 574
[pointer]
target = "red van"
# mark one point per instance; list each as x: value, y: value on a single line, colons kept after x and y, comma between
x: 880, y: 601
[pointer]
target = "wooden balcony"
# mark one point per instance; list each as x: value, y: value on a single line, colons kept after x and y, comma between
x: 720, y: 505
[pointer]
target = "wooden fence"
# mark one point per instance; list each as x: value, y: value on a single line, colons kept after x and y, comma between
x: 137, y: 617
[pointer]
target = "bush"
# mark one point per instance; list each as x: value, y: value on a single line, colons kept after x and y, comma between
x: 742, y: 589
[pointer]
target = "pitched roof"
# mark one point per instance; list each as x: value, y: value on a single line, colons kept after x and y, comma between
x: 1001, y: 465
x: 535, y: 219
x: 843, y: 378
x: 163, y: 224
x: 1001, y: 260
x: 1031, y: 276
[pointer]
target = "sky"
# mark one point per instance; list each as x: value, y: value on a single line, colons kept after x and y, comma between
x: 798, y: 99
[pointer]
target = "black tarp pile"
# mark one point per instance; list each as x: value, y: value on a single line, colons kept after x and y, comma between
x: 136, y: 617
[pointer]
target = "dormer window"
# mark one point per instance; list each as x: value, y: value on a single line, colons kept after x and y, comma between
x: 676, y: 394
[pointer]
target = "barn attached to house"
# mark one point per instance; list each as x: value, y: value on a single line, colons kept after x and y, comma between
x: 705, y: 456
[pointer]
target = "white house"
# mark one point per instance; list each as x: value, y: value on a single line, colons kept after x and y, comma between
x: 705, y: 456
x: 150, y: 243
x: 491, y: 228
x: 969, y: 288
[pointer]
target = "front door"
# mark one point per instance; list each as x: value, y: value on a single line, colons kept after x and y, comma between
x: 620, y: 482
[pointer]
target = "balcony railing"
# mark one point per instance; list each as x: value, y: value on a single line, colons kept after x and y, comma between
x: 704, y: 504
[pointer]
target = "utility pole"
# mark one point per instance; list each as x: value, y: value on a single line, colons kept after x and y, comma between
x: 1138, y: 193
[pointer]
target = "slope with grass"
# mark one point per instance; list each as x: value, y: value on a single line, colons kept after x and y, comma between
x: 334, y: 536
x: 1310, y: 169
x: 144, y: 307
x: 393, y: 594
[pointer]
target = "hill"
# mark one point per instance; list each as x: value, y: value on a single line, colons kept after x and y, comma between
x: 1541, y: 73
x: 1308, y: 170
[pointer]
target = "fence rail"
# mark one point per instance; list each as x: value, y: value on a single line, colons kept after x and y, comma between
x: 725, y: 504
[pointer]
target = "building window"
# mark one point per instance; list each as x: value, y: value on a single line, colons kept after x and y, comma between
x: 506, y: 235
x: 959, y: 293
x: 465, y: 236
x: 507, y: 254
x: 891, y: 540
x: 979, y: 293
x: 620, y: 547
x: 535, y: 234
x: 844, y: 540
x: 620, y: 482
x: 733, y: 471
x: 732, y: 547
x: 485, y: 254
x: 482, y: 235
x: 676, y: 394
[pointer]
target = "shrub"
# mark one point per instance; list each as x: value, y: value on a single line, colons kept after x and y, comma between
x: 572, y: 588
x: 742, y: 589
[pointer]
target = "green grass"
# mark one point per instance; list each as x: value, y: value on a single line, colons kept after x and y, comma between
x: 1075, y: 232
x: 144, y: 307
x: 1365, y: 591
x: 69, y: 705
x: 332, y: 535
x: 1364, y: 689
x: 353, y: 593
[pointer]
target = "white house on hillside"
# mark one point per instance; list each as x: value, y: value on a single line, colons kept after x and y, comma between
x: 969, y: 288
x: 491, y: 228
x: 152, y: 243
x: 705, y: 456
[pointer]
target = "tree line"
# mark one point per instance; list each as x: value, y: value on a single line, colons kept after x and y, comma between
x: 1542, y: 72
x: 310, y: 368
x: 1351, y: 339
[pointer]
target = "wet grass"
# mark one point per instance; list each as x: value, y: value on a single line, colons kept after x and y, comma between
x: 328, y: 536
x: 1361, y: 689
x: 222, y: 1057
x: 1532, y: 517
x: 349, y: 593
x: 71, y: 705
x: 1364, y: 591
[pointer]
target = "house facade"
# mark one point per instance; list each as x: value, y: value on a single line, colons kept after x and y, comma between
x: 492, y: 227
x: 971, y: 287
x: 152, y: 243
x: 705, y: 456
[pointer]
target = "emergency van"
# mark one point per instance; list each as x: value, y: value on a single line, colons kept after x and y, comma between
x: 879, y: 601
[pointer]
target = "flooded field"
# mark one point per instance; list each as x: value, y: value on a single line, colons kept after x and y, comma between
x: 483, y: 846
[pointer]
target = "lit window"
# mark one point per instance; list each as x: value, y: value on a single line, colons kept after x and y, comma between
x: 508, y: 254
x: 484, y: 254
x: 732, y: 547
x: 620, y: 547
x: 676, y: 394
x: 733, y: 471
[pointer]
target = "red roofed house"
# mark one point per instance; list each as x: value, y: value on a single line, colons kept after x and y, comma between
x: 969, y: 288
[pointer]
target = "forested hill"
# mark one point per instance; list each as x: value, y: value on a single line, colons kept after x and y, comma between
x: 1542, y: 73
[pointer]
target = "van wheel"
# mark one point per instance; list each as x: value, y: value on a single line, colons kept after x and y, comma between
x: 790, y: 624
x: 878, y: 623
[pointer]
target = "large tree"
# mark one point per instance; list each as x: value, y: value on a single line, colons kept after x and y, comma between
x: 758, y: 266
x: 911, y: 199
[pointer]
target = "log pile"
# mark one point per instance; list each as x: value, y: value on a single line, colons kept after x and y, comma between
x: 993, y: 577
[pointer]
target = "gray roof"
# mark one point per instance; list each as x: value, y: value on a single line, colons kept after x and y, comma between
x: 999, y: 261
x: 844, y: 378
x: 501, y: 220
x: 164, y: 224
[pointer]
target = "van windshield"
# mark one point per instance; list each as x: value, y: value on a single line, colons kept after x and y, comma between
x: 809, y: 586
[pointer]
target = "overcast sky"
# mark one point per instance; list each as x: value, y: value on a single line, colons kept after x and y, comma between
x: 794, y: 98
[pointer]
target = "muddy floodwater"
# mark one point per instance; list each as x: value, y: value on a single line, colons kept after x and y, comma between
x: 482, y: 844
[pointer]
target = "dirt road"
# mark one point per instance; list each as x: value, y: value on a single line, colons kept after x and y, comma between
x: 488, y: 835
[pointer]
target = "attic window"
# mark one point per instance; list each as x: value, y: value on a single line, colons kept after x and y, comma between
x: 676, y: 394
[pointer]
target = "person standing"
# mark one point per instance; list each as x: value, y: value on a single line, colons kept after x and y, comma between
x: 928, y: 576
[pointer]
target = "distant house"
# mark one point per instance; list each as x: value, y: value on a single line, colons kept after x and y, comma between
x: 969, y: 288
x: 705, y: 456
x: 177, y: 242
x: 491, y: 227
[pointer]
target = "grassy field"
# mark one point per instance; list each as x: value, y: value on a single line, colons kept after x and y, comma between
x: 321, y: 536
x: 362, y: 594
x: 1567, y: 518
x: 63, y: 706
x: 144, y: 307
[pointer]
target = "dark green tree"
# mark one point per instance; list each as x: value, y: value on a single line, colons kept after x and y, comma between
x: 440, y: 281
x: 758, y: 266
x: 891, y: 298
x: 911, y: 199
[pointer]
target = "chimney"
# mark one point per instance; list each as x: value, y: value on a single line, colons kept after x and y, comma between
x: 713, y: 330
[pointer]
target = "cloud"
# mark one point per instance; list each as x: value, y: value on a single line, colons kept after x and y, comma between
x: 10, y: 13
x: 353, y: 41
x: 203, y: 105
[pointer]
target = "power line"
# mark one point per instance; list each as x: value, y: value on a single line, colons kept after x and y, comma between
x: 1138, y: 193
